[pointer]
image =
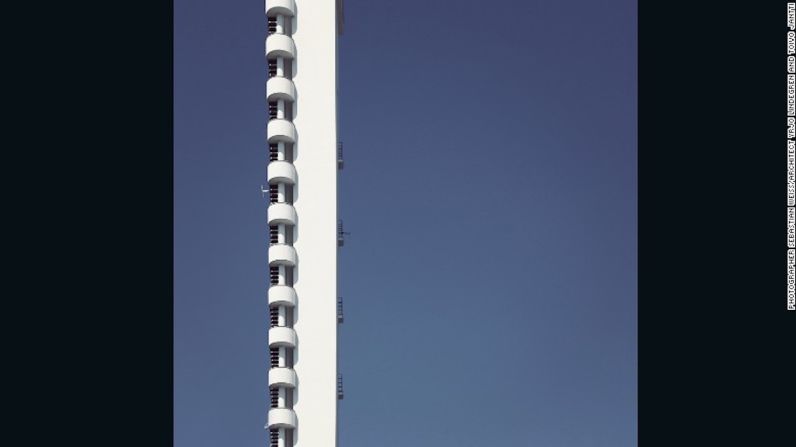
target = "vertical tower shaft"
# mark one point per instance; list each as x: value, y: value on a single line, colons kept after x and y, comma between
x: 301, y: 50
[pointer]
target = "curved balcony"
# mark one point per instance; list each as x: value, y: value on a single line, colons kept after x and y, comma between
x: 282, y: 213
x: 280, y: 336
x: 274, y: 8
x: 282, y: 296
x: 282, y: 377
x: 279, y: 45
x: 280, y: 88
x: 281, y: 130
x: 281, y: 254
x: 282, y: 418
x: 280, y: 171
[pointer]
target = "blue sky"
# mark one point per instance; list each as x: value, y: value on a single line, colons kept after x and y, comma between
x: 490, y: 191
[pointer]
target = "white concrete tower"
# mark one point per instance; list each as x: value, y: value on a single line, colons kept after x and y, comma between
x: 301, y: 50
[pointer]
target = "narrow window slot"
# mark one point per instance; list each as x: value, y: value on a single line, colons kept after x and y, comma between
x: 274, y: 397
x: 274, y: 271
x: 274, y: 357
x: 273, y: 152
x: 273, y: 192
x: 274, y: 314
x: 272, y: 109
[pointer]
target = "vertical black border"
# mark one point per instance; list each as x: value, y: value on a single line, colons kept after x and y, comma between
x: 715, y: 341
x: 93, y: 197
x: 141, y: 222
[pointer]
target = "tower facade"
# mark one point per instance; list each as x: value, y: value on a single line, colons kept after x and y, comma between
x: 301, y: 91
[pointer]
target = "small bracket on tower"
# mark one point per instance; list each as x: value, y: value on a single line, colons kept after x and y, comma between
x: 341, y: 234
x: 340, y: 163
x: 339, y: 309
x: 339, y: 386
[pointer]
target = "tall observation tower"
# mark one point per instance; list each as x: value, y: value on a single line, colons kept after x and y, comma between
x: 304, y: 385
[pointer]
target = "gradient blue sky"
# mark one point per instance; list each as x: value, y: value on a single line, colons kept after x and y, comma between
x: 490, y: 189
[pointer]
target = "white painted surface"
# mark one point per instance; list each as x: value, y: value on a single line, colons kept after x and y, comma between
x: 282, y: 172
x: 284, y: 377
x: 282, y: 296
x: 282, y: 418
x: 282, y: 337
x: 279, y: 45
x: 282, y: 213
x: 280, y: 88
x: 281, y: 131
x: 281, y: 254
x: 315, y: 79
x: 276, y: 7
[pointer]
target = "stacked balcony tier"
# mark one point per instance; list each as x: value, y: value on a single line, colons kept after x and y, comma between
x: 282, y: 337
x: 282, y: 172
x: 281, y: 131
x: 282, y: 213
x: 282, y: 377
x: 280, y: 88
x: 280, y: 51
x: 281, y: 418
x: 282, y: 254
x: 275, y: 8
x: 282, y: 296
x: 279, y: 45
